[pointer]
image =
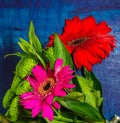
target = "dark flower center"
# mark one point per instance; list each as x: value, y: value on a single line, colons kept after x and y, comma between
x: 77, y: 41
x: 46, y: 86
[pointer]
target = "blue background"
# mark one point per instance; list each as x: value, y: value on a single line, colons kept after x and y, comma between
x: 49, y: 17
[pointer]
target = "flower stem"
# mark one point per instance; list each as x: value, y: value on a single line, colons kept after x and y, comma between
x: 59, y: 117
x: 99, y: 122
x: 64, y: 119
x: 56, y: 112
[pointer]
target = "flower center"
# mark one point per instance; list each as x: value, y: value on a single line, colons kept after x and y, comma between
x: 46, y: 86
x: 77, y: 41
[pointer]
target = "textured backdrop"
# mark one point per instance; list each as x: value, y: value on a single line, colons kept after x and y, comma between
x: 48, y: 17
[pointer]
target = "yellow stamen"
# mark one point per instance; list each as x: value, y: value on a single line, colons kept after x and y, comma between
x: 46, y: 86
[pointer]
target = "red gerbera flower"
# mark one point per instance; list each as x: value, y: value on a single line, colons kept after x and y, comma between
x: 88, y: 42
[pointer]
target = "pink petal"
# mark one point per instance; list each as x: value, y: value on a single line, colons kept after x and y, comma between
x: 28, y: 100
x: 29, y: 104
x: 68, y: 78
x: 60, y: 93
x: 47, y: 111
x: 39, y: 73
x: 27, y: 95
x: 32, y: 81
x: 69, y: 86
x: 56, y: 105
x: 66, y: 72
x: 58, y: 65
x: 49, y: 99
x: 66, y: 68
x: 36, y: 109
x: 58, y: 87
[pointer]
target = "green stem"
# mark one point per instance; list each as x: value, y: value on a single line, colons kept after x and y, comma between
x: 59, y: 117
x: 64, y: 119
x: 41, y: 59
x: 99, y: 122
x: 58, y: 114
x: 75, y: 119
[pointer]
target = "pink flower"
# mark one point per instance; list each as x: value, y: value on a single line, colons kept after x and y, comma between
x: 46, y: 85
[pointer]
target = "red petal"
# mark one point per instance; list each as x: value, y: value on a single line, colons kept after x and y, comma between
x: 99, y: 52
x: 92, y: 50
x: 90, y: 57
x: 109, y: 39
x: 102, y: 28
x: 72, y: 26
x: 106, y: 48
x: 80, y: 60
x: 88, y: 24
x: 51, y: 41
x: 77, y: 60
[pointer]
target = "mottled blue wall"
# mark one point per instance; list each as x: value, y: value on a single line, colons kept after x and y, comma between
x: 48, y: 17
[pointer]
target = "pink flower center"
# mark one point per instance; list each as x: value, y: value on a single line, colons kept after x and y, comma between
x: 46, y: 86
x: 77, y: 41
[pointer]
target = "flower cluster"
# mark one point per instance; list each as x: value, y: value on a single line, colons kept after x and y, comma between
x: 46, y: 86
x: 88, y: 42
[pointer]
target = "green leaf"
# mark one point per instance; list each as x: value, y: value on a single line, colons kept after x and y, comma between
x: 25, y: 46
x: 99, y: 98
x: 23, y: 87
x: 34, y: 41
x: 11, y: 118
x: 25, y: 66
x: 84, y: 110
x: 14, y: 54
x: 15, y: 83
x: 61, y: 52
x: 3, y: 119
x: 90, y: 76
x: 21, y: 121
x: 14, y: 107
x: 49, y: 53
x: 92, y: 96
x: 13, y: 112
x: 8, y: 98
x: 80, y: 121
x: 34, y: 48
x: 75, y: 96
x: 40, y: 58
x: 55, y: 121
x: 27, y: 118
x: 75, y: 81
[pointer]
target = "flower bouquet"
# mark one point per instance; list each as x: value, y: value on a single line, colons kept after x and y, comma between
x: 56, y: 84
